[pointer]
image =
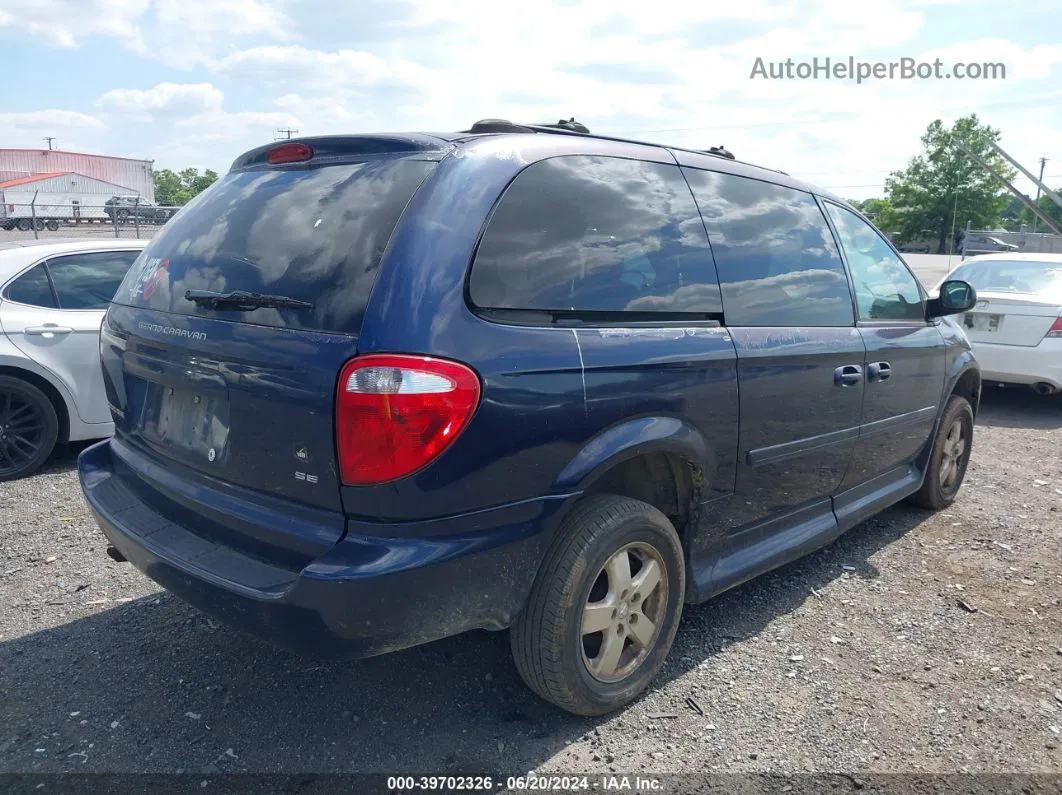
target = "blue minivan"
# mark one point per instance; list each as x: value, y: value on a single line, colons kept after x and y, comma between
x: 374, y: 390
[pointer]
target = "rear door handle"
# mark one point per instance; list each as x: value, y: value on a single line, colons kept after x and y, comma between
x: 48, y: 328
x: 879, y: 371
x: 847, y: 375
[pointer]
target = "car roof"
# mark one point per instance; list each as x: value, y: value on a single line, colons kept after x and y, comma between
x: 16, y: 254
x: 438, y: 144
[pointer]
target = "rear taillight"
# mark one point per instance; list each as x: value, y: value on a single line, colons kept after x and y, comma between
x: 396, y: 413
x: 1055, y: 330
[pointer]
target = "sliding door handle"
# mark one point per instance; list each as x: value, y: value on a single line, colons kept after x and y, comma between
x: 847, y: 375
x: 879, y: 371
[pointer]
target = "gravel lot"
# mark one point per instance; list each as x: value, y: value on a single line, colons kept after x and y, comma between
x: 863, y: 657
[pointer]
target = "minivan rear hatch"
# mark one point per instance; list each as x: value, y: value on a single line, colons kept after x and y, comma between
x: 224, y: 343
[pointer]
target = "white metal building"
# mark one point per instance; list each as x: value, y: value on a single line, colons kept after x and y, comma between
x: 66, y: 182
x: 134, y: 177
x: 64, y: 196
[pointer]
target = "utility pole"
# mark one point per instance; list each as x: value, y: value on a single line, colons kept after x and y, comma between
x: 49, y: 139
x: 284, y: 133
x: 1043, y: 162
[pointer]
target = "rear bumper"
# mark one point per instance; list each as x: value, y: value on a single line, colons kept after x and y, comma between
x: 368, y: 595
x: 1019, y: 364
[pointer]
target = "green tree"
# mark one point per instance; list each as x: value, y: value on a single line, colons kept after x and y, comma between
x: 1011, y: 213
x: 943, y: 189
x: 873, y: 208
x: 1052, y: 210
x: 177, y: 188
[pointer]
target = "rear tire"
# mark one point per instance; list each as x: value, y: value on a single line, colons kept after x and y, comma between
x: 24, y: 224
x: 53, y: 225
x: 947, y: 464
x: 29, y: 428
x: 608, y: 551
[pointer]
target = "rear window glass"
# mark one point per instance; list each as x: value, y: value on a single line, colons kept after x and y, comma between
x: 315, y: 235
x: 89, y: 281
x: 999, y: 276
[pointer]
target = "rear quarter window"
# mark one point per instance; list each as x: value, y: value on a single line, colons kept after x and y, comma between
x: 589, y: 234
x: 312, y: 234
x: 32, y: 288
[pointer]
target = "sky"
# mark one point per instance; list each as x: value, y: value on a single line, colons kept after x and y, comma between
x: 197, y: 82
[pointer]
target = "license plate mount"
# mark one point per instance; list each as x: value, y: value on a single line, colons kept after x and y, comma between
x: 196, y: 424
x: 983, y: 321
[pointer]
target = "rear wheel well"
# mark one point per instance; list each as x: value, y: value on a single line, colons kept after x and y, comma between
x: 668, y: 482
x: 53, y: 395
x: 969, y: 387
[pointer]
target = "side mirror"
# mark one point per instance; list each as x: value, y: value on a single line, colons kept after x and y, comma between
x: 956, y: 296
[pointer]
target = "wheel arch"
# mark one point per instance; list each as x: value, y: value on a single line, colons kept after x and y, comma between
x: 51, y: 390
x: 662, y: 461
x: 966, y: 382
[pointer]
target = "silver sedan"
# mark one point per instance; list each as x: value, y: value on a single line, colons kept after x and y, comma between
x: 53, y: 296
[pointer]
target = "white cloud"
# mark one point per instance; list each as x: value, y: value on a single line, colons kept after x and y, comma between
x: 230, y: 18
x: 301, y: 67
x: 163, y: 100
x: 72, y: 131
x: 66, y: 119
x: 180, y: 32
x: 674, y: 70
x: 64, y: 23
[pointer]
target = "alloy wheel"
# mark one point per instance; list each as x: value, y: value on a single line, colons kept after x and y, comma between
x: 624, y: 612
x: 953, y: 449
x: 22, y: 432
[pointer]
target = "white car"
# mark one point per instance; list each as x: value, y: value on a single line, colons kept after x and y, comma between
x: 1016, y: 325
x: 53, y: 296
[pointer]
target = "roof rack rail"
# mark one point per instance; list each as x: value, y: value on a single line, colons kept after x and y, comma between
x: 504, y: 125
x: 497, y: 126
x: 572, y: 127
x: 722, y: 151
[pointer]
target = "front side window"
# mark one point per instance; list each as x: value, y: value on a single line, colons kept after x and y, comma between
x: 777, y: 260
x: 32, y: 288
x: 885, y: 289
x: 89, y: 281
x: 596, y: 234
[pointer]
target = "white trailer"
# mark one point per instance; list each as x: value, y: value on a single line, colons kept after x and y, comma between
x: 21, y: 209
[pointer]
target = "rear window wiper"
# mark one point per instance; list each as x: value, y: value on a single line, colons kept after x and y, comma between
x: 242, y: 300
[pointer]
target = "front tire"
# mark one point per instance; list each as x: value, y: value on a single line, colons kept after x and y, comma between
x: 29, y: 428
x: 605, y: 607
x: 952, y: 446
